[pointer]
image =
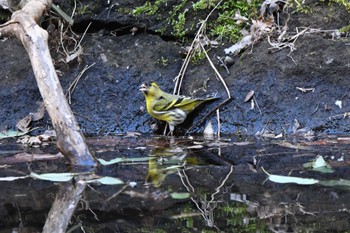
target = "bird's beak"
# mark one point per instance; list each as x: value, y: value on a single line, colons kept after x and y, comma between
x: 143, y: 87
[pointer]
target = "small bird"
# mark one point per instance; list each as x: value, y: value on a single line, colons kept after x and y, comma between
x: 167, y: 107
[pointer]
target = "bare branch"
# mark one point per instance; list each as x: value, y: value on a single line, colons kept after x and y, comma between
x: 23, y: 25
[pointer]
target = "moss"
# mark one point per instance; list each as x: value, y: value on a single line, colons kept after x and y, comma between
x: 204, y: 4
x: 179, y: 25
x: 225, y: 26
x: 4, y: 16
x: 197, y: 56
x: 83, y: 10
x: 148, y: 8
x: 344, y: 3
x: 221, y: 24
x: 164, y: 62
x: 299, y: 7
x: 345, y: 29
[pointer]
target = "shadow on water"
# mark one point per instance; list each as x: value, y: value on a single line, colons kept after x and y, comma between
x: 184, y: 185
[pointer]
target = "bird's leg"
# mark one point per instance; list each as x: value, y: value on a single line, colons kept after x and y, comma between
x: 165, y: 128
x: 171, y: 128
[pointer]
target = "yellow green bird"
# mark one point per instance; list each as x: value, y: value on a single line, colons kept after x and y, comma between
x: 167, y: 107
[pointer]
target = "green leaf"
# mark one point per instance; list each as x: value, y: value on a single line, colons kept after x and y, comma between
x: 319, y: 162
x: 340, y: 182
x: 179, y: 195
x: 113, y: 161
x: 291, y: 179
x: 320, y: 165
x: 15, y: 133
x: 12, y: 134
x: 56, y: 177
x: 123, y: 160
x: 12, y: 178
x: 324, y: 169
x: 107, y: 180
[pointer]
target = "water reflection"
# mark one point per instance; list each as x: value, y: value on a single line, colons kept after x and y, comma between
x: 165, y: 161
x: 205, y: 203
x: 190, y: 185
x: 63, y: 208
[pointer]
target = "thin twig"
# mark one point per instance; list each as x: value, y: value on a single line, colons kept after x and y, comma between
x: 73, y: 85
x: 257, y: 105
x: 216, y: 71
x: 183, y: 174
x: 63, y: 14
x: 196, y: 43
x: 61, y: 40
x: 82, y: 37
x: 223, y: 65
x: 74, y: 8
x: 221, y: 185
x: 184, y: 66
x: 117, y: 193
x: 219, y: 124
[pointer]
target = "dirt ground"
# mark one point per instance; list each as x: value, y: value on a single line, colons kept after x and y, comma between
x: 107, y: 101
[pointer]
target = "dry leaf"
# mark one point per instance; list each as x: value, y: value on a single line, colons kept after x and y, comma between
x: 249, y: 96
x: 252, y: 104
x: 293, y: 146
x: 242, y: 143
x: 339, y: 103
x: 240, y: 45
x: 132, y: 134
x: 38, y: 140
x: 133, y: 30
x: 39, y: 114
x: 295, y: 126
x: 239, y: 18
x: 208, y: 131
x: 304, y: 90
x: 260, y: 29
x: 214, y: 43
x: 51, y: 133
x: 24, y: 123
x: 75, y: 55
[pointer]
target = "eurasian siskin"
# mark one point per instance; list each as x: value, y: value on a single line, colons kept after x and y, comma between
x: 167, y: 107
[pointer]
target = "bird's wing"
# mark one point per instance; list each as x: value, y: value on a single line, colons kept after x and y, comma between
x: 184, y: 103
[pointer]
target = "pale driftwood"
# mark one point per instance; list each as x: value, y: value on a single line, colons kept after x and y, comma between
x: 23, y: 25
x: 63, y: 208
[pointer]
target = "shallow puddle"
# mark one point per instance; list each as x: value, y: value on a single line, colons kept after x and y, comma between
x: 185, y: 185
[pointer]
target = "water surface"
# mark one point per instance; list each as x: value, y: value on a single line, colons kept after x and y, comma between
x: 188, y: 184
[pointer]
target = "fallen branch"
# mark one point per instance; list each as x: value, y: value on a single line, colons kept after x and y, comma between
x: 23, y: 25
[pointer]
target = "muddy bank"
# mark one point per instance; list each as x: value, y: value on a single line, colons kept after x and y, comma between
x: 106, y: 99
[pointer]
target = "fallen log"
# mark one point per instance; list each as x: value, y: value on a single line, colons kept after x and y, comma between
x: 23, y: 25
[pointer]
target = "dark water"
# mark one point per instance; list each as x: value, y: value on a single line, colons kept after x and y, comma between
x: 185, y: 185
